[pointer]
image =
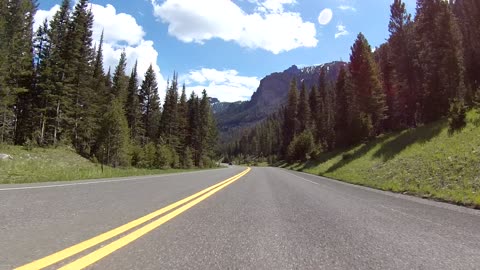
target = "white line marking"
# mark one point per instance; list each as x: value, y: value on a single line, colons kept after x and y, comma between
x: 101, y: 181
x: 437, y: 204
x: 305, y: 179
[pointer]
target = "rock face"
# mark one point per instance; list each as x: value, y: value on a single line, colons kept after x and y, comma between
x: 270, y: 96
x: 219, y: 107
x: 5, y: 157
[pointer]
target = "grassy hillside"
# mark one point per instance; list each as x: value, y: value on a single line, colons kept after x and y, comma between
x: 57, y: 164
x: 427, y: 161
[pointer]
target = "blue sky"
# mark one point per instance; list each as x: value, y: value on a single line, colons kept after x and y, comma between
x: 228, y: 46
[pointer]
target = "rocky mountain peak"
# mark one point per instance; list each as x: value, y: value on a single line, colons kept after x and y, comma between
x: 270, y: 96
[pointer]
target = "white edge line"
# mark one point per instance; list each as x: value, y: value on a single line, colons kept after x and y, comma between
x: 411, y: 198
x: 305, y: 179
x: 102, y: 181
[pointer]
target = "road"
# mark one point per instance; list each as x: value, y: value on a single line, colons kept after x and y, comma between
x: 265, y: 218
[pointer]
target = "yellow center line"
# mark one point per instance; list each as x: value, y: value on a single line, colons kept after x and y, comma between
x: 70, y: 251
x: 125, y: 240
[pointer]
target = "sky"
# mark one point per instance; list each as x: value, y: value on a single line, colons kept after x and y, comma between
x: 228, y: 46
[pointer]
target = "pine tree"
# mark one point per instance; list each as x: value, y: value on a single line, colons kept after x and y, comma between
x: 386, y: 68
x: 52, y: 82
x: 313, y: 100
x: 41, y: 50
x: 5, y: 99
x: 401, y: 58
x: 320, y: 128
x: 468, y: 14
x: 187, y: 158
x: 120, y: 80
x: 133, y: 106
x: 108, y: 81
x: 290, y: 125
x: 441, y: 57
x: 169, y: 121
x: 99, y: 84
x: 17, y: 68
x: 150, y: 106
x: 212, y: 136
x: 342, y: 89
x: 183, y: 121
x: 208, y: 134
x: 366, y: 86
x: 98, y: 64
x: 114, y: 137
x: 303, y: 110
x: 329, y: 118
x: 194, y: 137
x: 82, y: 111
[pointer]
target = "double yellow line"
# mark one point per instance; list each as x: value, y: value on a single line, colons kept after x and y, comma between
x: 183, y: 205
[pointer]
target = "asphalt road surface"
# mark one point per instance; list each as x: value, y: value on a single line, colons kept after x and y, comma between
x: 263, y: 218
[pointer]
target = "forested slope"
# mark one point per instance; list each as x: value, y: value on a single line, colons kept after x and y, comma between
x: 54, y: 92
x: 428, y: 161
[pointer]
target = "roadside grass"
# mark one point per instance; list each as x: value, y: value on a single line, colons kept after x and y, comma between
x: 261, y: 164
x: 59, y: 164
x: 427, y: 161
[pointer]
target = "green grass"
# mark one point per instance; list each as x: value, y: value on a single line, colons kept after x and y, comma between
x: 427, y: 162
x: 261, y: 164
x: 58, y: 164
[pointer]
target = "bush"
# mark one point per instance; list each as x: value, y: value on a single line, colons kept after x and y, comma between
x: 147, y: 157
x: 187, y: 158
x: 136, y: 152
x: 301, y: 147
x: 207, y: 162
x: 166, y: 156
x: 347, y: 156
x: 29, y: 145
x: 317, y: 152
x: 457, y: 116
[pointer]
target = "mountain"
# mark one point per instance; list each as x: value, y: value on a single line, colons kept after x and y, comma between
x: 219, y: 107
x: 270, y: 96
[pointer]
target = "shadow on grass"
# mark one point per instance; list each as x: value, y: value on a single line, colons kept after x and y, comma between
x: 419, y: 135
x: 474, y: 117
x: 348, y: 157
x: 323, y: 158
x: 390, y: 145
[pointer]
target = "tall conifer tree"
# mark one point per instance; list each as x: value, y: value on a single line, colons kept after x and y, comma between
x: 290, y: 125
x: 133, y: 106
x: 441, y: 57
x: 16, y: 97
x: 401, y: 57
x: 303, y: 109
x: 120, y: 80
x: 169, y: 121
x: 150, y: 106
x: 368, y: 91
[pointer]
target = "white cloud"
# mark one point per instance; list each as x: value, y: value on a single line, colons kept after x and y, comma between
x: 119, y: 27
x: 41, y: 15
x: 121, y: 32
x: 269, y: 28
x: 347, y: 7
x: 226, y: 85
x: 276, y: 5
x: 341, y: 31
x: 325, y: 16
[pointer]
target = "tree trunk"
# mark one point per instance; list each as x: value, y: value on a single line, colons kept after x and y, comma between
x: 42, y: 130
x: 57, y: 123
x: 2, y: 135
